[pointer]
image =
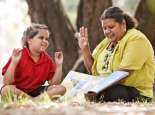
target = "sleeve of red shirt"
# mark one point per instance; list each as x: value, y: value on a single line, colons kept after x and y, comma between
x: 52, y: 69
x: 4, y: 69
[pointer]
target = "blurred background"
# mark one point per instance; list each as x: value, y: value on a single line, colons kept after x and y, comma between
x: 64, y: 18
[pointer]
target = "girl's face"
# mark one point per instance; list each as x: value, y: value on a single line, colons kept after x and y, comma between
x: 40, y: 41
x: 113, y: 30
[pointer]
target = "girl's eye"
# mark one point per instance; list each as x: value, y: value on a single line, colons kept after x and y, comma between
x: 47, y: 39
x: 41, y: 37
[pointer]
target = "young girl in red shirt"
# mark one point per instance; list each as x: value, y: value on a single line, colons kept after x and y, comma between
x: 30, y: 67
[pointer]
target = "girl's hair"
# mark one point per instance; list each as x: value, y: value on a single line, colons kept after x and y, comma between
x: 31, y: 31
x: 119, y: 15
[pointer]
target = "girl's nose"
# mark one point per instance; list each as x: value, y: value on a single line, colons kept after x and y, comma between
x: 45, y: 40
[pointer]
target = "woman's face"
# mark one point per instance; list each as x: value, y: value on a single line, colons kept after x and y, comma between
x: 40, y: 41
x: 113, y: 30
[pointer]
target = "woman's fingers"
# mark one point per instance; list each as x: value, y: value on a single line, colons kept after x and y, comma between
x: 82, y: 31
x: 86, y: 33
x: 82, y: 37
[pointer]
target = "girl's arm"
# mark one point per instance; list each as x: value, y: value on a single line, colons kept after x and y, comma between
x: 9, y: 74
x: 58, y: 73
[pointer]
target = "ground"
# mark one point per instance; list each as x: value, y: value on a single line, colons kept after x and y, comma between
x: 75, y: 108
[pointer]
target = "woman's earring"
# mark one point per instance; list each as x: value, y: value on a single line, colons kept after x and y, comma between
x: 124, y: 29
x: 124, y: 26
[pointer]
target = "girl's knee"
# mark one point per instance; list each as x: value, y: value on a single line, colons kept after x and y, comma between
x: 6, y: 89
x: 63, y: 89
x: 58, y: 88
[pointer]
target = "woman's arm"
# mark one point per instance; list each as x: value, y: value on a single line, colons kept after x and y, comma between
x: 84, y: 46
x: 88, y: 60
x: 58, y: 73
x: 9, y: 74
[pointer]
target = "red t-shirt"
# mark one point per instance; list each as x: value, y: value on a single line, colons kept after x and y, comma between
x: 29, y: 75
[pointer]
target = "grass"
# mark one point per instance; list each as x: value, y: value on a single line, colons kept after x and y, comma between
x: 18, y: 105
x: 21, y: 100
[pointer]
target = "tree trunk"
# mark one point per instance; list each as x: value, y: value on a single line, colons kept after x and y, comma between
x: 145, y: 14
x: 89, y: 12
x: 51, y: 13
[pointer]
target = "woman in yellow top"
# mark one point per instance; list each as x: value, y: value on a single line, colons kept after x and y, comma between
x: 124, y: 48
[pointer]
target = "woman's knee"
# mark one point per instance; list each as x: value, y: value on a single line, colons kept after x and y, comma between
x: 115, y: 93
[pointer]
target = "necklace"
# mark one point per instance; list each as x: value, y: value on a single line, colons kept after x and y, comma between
x: 111, y: 46
x: 108, y: 55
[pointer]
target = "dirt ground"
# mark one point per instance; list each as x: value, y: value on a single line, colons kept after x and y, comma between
x: 74, y: 108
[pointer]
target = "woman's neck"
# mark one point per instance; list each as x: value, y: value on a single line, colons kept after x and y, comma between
x: 111, y: 46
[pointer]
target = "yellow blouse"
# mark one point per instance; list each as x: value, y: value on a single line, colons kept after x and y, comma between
x: 133, y: 52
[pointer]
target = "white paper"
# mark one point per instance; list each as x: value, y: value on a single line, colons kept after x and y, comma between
x: 76, y: 82
x: 110, y: 80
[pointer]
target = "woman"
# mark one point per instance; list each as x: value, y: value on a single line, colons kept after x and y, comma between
x: 124, y: 48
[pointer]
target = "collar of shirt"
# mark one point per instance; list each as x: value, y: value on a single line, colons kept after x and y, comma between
x: 42, y: 59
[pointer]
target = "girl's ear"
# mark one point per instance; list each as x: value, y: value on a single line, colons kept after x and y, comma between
x: 29, y: 41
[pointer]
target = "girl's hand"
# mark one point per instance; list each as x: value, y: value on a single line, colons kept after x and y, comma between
x: 16, y: 55
x: 83, y: 38
x: 59, y: 58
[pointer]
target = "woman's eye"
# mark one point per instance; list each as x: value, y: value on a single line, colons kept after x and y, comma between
x: 110, y: 27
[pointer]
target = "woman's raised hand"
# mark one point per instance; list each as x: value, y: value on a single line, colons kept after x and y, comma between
x: 58, y: 58
x: 16, y: 55
x: 83, y: 38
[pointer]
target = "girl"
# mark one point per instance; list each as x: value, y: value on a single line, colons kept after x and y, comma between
x: 29, y: 68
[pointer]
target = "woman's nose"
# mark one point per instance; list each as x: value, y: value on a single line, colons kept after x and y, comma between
x: 107, y: 31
